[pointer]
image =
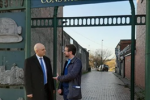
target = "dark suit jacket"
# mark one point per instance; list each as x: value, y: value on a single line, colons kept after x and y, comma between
x: 73, y: 78
x: 34, y: 80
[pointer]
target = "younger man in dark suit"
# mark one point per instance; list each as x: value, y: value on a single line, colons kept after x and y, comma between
x: 70, y: 81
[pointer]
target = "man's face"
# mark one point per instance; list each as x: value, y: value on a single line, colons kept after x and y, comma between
x: 41, y: 51
x: 66, y: 52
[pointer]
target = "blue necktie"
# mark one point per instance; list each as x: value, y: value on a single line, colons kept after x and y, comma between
x: 69, y: 60
x: 43, y: 69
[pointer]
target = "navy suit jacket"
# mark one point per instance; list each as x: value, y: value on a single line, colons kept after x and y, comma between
x: 73, y: 78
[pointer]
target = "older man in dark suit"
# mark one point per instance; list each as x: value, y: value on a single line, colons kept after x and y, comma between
x: 70, y: 81
x: 39, y: 83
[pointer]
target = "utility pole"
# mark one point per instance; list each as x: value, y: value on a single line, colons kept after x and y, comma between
x: 102, y: 52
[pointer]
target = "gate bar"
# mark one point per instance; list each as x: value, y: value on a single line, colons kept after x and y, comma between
x: 27, y: 33
x: 132, y: 48
x: 55, y: 45
x: 28, y: 30
x: 86, y: 21
x: 147, y: 52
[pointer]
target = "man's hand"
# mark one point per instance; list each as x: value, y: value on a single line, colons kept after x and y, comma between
x: 29, y: 95
x: 59, y: 91
x: 56, y: 78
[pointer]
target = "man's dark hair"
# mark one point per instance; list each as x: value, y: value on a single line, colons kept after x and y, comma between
x: 72, y: 48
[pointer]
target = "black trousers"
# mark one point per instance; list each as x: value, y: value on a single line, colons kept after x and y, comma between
x: 46, y: 92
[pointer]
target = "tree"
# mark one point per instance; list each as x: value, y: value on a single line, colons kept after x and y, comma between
x: 91, y: 58
x: 101, y: 56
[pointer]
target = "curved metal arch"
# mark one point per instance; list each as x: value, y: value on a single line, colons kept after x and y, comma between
x: 132, y: 49
x: 132, y: 44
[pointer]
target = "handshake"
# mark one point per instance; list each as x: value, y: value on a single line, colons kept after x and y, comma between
x: 56, y: 78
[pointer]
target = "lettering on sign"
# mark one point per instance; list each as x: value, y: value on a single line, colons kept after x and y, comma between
x: 54, y: 1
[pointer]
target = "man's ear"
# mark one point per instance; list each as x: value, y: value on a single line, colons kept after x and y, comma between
x: 36, y: 51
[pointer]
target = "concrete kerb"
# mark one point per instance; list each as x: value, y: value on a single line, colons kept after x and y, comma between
x: 139, y: 93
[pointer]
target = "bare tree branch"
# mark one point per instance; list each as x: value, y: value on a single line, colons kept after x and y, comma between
x: 100, y: 56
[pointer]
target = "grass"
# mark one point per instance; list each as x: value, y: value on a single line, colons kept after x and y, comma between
x: 85, y: 72
x: 111, y: 64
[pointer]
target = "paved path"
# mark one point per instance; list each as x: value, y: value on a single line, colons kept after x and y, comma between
x: 102, y: 86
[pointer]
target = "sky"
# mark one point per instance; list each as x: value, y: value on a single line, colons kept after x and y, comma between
x: 91, y: 37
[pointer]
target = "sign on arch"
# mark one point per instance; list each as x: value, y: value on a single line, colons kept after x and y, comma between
x: 52, y: 3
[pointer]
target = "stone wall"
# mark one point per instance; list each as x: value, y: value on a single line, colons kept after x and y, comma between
x: 140, y: 47
x: 45, y: 35
x: 128, y: 67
